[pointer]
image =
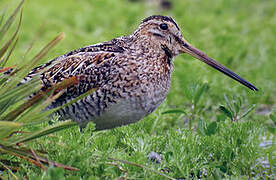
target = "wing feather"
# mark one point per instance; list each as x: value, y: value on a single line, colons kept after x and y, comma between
x: 91, y: 68
x: 106, y: 47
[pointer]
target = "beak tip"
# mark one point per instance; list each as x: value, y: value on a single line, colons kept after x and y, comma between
x: 252, y: 87
x: 255, y: 89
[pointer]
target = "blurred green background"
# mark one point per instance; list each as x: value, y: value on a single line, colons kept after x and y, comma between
x: 238, y: 34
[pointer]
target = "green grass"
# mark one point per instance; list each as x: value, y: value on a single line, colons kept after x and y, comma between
x: 239, y: 34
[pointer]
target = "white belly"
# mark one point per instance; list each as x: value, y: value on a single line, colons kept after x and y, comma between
x: 126, y: 112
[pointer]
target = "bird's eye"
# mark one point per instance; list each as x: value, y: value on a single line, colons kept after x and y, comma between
x: 164, y: 26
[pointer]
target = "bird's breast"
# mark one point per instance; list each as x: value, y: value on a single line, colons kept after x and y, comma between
x: 129, y: 110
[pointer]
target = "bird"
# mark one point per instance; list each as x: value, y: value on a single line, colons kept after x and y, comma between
x: 131, y: 74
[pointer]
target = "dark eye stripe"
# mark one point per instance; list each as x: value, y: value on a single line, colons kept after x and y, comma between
x: 156, y: 34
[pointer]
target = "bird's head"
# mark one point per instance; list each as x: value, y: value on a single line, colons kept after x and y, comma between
x: 164, y: 32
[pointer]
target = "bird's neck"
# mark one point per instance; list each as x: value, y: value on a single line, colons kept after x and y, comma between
x: 151, y: 55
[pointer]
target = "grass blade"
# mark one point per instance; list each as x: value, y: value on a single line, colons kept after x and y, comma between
x: 5, y: 60
x: 174, y: 111
x: 228, y: 103
x: 34, y: 39
x: 21, y: 92
x: 7, y: 45
x: 76, y: 99
x: 141, y: 166
x: 51, y: 111
x: 2, y: 16
x: 226, y: 112
x: 39, y: 97
x: 248, y: 111
x: 49, y: 46
x: 6, y: 127
x: 27, y: 155
x: 10, y: 20
x: 48, y: 130
x: 199, y: 93
x: 10, y: 171
x: 24, y: 69
x: 6, y: 124
x: 200, y: 126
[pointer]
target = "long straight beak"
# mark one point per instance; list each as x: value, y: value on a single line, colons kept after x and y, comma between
x: 187, y: 48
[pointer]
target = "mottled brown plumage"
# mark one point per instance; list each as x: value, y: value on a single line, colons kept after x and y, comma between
x: 131, y: 73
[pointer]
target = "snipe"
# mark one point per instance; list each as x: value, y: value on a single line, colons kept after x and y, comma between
x: 132, y: 74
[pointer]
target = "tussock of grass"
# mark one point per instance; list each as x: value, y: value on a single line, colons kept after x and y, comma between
x: 17, y: 111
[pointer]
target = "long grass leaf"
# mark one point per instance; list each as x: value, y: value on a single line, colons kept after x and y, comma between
x: 4, y: 124
x: 37, y: 111
x: 228, y: 103
x: 2, y: 70
x: 48, y: 112
x: 15, y: 113
x: 27, y: 155
x: 4, y: 106
x: 34, y: 39
x: 10, y: 171
x: 174, y: 111
x: 5, y: 59
x: 7, y: 127
x: 78, y: 98
x: 22, y: 91
x: 4, y: 78
x: 8, y: 43
x: 24, y: 69
x: 2, y: 16
x: 38, y: 97
x: 141, y: 166
x: 199, y: 93
x: 51, y: 111
x: 248, y: 111
x: 38, y: 116
x: 47, y: 99
x: 48, y: 130
x: 12, y: 100
x: 227, y: 112
x: 10, y: 20
x: 49, y: 46
x: 19, y: 153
